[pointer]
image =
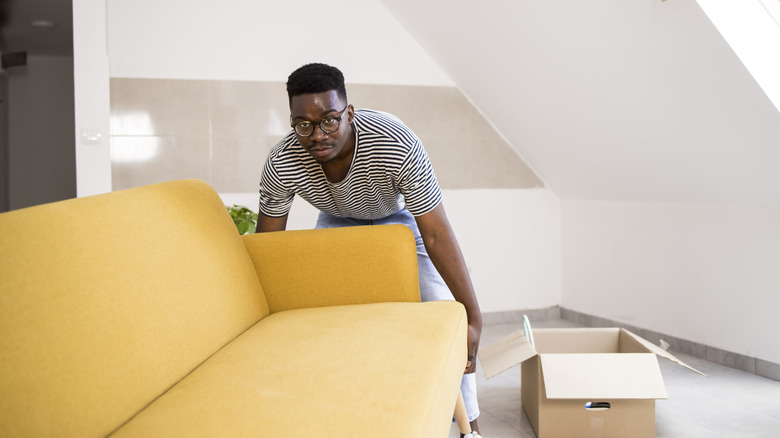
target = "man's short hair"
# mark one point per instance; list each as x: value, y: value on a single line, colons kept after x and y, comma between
x: 316, y: 78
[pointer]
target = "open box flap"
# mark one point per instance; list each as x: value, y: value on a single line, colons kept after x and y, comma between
x: 602, y: 376
x: 505, y: 353
x: 661, y: 352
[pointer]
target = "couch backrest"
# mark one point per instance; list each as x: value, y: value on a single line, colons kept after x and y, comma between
x: 336, y: 266
x: 107, y: 301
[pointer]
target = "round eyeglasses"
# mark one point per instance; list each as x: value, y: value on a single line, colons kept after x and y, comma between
x: 328, y: 125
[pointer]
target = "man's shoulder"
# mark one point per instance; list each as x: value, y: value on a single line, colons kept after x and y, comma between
x: 288, y: 158
x: 367, y: 115
x: 287, y: 147
x: 379, y: 124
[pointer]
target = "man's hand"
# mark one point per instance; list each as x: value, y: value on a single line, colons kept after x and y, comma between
x: 473, y: 335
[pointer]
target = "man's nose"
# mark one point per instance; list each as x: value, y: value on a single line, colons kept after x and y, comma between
x: 318, y: 134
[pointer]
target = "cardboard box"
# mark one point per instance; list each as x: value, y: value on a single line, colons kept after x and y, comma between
x: 584, y: 382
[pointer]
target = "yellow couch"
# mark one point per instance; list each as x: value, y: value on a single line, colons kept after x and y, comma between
x: 143, y: 313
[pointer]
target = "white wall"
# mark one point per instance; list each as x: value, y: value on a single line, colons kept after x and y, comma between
x: 700, y: 271
x: 92, y: 100
x: 511, y: 239
x: 264, y: 40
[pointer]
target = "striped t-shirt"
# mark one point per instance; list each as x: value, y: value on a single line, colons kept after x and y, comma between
x: 389, y: 168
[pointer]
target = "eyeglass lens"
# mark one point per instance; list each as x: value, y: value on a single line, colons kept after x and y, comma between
x: 328, y: 126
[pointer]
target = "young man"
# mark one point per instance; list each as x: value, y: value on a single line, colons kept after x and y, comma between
x: 363, y: 167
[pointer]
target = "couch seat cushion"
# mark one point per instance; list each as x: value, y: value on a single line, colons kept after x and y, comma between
x: 388, y: 369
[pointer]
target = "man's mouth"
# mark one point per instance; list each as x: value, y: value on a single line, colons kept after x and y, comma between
x: 320, y: 150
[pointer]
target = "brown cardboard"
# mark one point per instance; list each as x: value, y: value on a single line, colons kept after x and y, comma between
x: 505, y: 353
x: 600, y: 382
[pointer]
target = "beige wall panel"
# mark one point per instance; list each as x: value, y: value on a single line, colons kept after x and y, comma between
x: 221, y: 131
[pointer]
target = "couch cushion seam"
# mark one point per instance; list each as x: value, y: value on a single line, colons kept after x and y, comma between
x: 168, y: 389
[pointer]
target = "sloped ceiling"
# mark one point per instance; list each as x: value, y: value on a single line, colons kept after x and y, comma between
x: 610, y: 99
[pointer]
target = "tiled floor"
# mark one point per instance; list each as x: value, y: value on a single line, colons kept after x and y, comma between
x: 728, y: 403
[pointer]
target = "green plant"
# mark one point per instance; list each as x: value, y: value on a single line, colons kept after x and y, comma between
x: 244, y: 218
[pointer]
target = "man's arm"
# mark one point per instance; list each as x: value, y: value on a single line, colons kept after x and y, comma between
x: 444, y: 251
x: 268, y: 223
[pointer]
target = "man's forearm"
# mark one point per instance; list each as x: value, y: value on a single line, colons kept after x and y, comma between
x: 445, y: 253
x: 267, y: 223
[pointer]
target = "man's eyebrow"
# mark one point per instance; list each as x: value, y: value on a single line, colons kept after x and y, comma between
x: 322, y: 115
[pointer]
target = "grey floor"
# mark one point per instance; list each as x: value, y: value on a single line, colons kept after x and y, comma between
x: 727, y: 403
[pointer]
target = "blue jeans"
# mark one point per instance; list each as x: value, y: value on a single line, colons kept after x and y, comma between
x: 432, y: 286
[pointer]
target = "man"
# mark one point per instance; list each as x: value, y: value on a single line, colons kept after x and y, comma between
x: 363, y: 167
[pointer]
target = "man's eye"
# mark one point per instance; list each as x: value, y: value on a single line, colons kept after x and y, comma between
x: 329, y: 121
x: 304, y: 124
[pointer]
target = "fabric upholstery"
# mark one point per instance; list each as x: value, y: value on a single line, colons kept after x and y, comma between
x: 310, y: 268
x: 318, y: 368
x: 107, y: 301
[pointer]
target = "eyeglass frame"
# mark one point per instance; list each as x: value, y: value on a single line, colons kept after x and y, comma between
x: 319, y: 124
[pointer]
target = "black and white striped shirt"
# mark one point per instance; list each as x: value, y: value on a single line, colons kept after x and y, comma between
x: 389, y: 168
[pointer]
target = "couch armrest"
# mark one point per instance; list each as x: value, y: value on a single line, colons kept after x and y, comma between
x: 335, y: 266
